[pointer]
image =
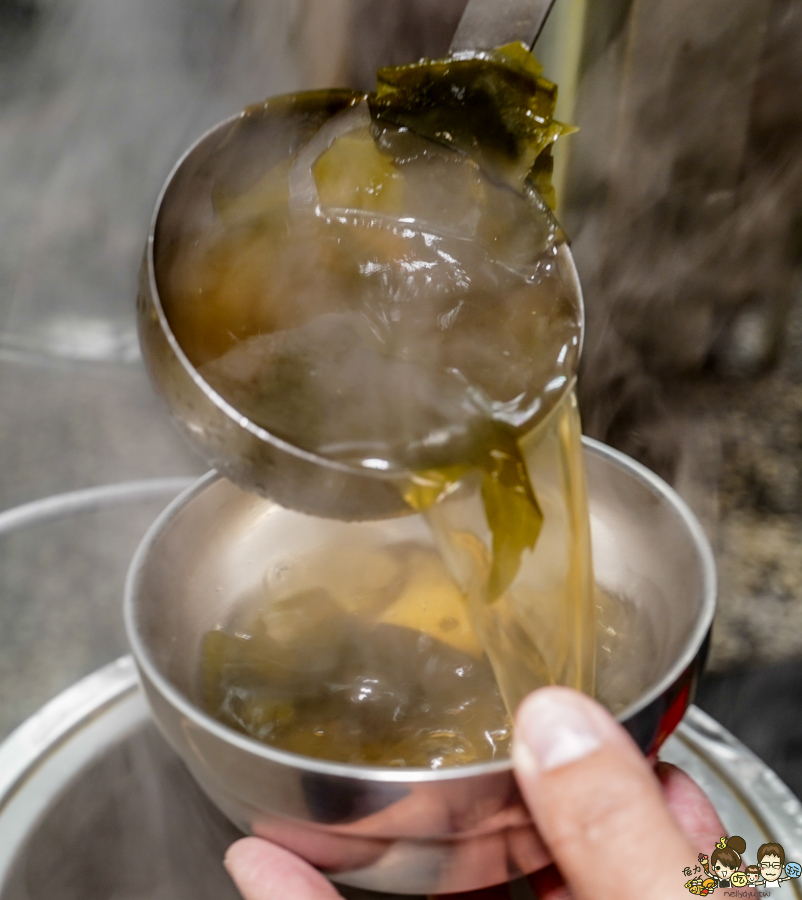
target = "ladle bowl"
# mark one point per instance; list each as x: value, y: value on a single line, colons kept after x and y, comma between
x: 235, y: 154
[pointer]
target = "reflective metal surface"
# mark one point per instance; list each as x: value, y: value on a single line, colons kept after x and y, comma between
x: 749, y: 797
x: 60, y: 506
x: 239, y: 150
x: 63, y: 561
x: 401, y: 830
x: 94, y: 804
x: 489, y: 23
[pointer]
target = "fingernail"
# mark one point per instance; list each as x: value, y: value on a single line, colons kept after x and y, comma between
x: 552, y: 732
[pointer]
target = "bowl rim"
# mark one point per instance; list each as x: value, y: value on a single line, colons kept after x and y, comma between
x: 411, y: 775
x: 230, y: 411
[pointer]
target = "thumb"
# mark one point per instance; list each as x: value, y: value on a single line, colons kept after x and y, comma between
x: 596, y: 801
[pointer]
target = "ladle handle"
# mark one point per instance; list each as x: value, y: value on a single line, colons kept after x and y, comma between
x: 490, y: 23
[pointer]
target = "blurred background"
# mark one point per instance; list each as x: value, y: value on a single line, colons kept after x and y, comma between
x: 682, y: 193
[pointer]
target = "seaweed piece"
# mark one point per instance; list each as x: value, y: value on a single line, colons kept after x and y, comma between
x: 494, y: 106
x: 513, y: 513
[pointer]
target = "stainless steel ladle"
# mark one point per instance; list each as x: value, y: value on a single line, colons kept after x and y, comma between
x: 490, y: 23
x: 234, y: 150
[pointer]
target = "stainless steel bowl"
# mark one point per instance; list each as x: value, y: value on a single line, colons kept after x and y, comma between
x: 236, y: 153
x: 413, y: 831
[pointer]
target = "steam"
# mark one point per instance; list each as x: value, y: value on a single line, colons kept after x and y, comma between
x: 684, y: 209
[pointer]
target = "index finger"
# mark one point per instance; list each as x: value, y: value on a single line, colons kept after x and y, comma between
x: 263, y: 871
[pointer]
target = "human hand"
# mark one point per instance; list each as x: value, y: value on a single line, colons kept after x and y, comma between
x: 616, y: 828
